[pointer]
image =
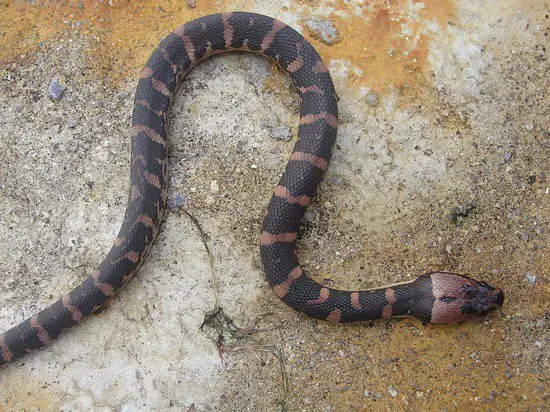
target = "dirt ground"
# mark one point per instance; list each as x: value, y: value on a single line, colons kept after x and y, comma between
x: 441, y: 162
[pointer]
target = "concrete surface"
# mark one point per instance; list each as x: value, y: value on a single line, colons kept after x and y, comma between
x: 443, y: 104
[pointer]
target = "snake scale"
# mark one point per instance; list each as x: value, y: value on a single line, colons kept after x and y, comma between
x: 437, y: 297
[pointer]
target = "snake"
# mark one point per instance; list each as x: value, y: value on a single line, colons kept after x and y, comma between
x: 436, y: 297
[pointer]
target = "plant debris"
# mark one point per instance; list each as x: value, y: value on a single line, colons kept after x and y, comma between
x: 459, y: 214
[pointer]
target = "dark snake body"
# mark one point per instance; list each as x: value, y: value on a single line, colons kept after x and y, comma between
x: 435, y: 297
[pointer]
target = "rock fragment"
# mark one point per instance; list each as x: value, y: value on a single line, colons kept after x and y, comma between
x: 72, y: 122
x: 323, y: 29
x: 56, y: 89
x: 372, y: 99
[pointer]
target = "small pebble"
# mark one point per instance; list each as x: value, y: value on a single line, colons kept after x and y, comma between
x: 123, y: 95
x: 337, y: 180
x: 507, y: 156
x: 508, y: 374
x: 269, y: 123
x: 240, y: 146
x: 392, y: 391
x: 323, y: 29
x: 366, y: 393
x: 214, y: 186
x: 191, y: 3
x: 372, y: 99
x: 56, y: 89
x: 176, y: 203
x: 72, y: 122
x: 281, y: 133
x: 449, y: 249
x: 309, y: 216
x: 532, y: 279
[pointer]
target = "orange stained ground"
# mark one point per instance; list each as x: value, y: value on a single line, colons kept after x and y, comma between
x: 388, y: 42
x: 385, y: 42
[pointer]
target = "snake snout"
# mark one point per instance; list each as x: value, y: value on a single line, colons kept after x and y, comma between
x: 498, y: 298
x: 479, y: 298
x: 459, y: 297
x: 482, y: 298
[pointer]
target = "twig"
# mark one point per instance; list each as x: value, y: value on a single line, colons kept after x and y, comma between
x: 205, y: 239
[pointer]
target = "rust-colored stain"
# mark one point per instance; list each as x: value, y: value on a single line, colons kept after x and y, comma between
x: 121, y: 33
x: 386, y: 41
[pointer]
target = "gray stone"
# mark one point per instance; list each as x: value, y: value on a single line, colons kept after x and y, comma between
x: 323, y: 29
x: 532, y: 279
x: 281, y: 133
x: 372, y: 99
x: 56, y: 89
x: 72, y: 122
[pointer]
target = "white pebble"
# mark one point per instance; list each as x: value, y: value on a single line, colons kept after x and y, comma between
x: 214, y: 186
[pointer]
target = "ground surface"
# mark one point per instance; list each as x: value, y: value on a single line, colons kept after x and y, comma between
x: 443, y: 105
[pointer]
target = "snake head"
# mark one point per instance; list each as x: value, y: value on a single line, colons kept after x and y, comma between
x: 459, y: 297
